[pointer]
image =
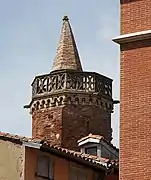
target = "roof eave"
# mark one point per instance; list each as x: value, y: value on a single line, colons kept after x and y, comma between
x: 74, y: 158
x: 132, y: 37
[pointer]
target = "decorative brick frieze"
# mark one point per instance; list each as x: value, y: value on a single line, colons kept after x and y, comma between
x: 76, y: 99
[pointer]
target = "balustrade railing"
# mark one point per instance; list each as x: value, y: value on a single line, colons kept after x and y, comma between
x: 73, y: 81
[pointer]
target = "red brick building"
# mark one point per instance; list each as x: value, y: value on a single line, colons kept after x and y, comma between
x: 69, y: 101
x: 135, y: 100
x: 71, y: 124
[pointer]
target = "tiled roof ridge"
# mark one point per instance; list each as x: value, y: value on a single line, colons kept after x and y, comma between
x: 91, y: 158
x: 18, y: 137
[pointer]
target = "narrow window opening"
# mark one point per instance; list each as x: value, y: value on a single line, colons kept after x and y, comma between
x: 44, y: 167
x: 91, y: 150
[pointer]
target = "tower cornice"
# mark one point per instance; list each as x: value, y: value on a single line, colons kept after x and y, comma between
x: 133, y: 37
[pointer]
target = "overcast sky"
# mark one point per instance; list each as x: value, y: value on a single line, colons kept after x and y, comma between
x: 29, y: 34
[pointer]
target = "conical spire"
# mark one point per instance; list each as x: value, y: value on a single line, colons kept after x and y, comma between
x: 67, y: 56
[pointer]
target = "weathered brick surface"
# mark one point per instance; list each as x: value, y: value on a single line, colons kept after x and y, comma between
x: 135, y: 15
x: 47, y: 123
x: 65, y: 125
x: 79, y: 121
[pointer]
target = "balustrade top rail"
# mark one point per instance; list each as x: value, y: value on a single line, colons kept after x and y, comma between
x: 75, y: 81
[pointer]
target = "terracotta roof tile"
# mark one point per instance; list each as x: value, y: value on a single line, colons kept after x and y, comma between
x: 87, y: 157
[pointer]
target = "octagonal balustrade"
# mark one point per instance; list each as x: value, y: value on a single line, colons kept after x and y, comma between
x: 70, y: 81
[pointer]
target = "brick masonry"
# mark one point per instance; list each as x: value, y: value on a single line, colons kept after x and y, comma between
x: 47, y: 124
x: 65, y: 125
x: 135, y: 96
x: 135, y: 16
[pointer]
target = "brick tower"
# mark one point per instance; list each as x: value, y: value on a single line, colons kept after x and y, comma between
x: 69, y: 103
x: 135, y: 122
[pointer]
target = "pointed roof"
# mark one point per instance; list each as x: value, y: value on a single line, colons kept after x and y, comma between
x: 67, y: 56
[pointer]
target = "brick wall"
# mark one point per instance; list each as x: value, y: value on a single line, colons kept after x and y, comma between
x: 135, y: 121
x: 80, y: 120
x: 48, y: 123
x: 65, y: 125
x: 135, y: 15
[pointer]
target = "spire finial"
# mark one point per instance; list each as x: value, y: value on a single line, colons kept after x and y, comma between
x: 67, y: 56
x: 65, y: 18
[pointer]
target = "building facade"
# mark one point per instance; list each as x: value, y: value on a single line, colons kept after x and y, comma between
x: 135, y: 96
x: 23, y: 158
